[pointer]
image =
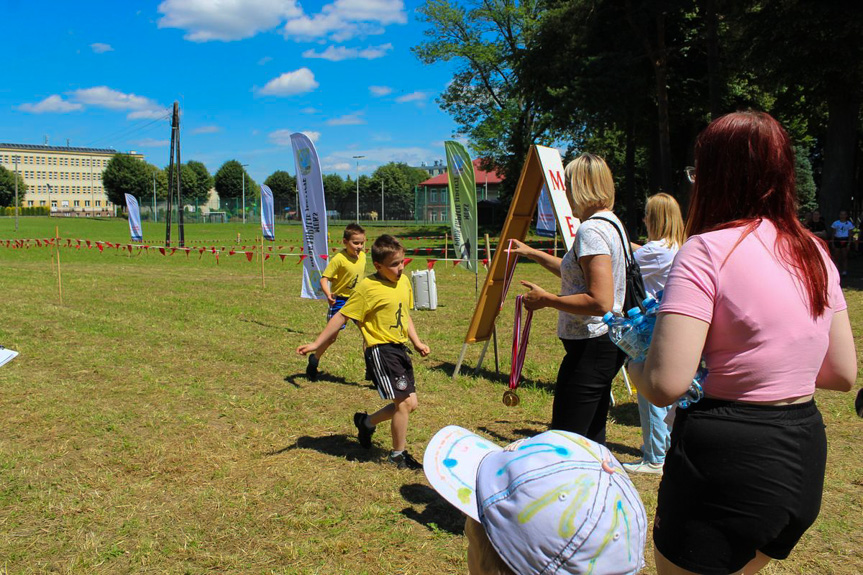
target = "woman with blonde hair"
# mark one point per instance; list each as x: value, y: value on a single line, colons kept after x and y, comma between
x: 665, y: 235
x: 593, y: 282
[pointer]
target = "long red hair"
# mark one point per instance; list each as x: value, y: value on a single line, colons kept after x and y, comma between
x: 744, y: 173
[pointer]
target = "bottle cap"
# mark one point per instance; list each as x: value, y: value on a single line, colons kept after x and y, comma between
x: 634, y: 313
x: 608, y: 317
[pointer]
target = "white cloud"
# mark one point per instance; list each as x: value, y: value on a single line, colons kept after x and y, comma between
x: 105, y: 97
x: 153, y: 143
x: 412, y: 156
x: 354, y: 119
x: 380, y: 90
x: 225, y: 20
x: 264, y: 60
x: 309, y: 110
x: 52, y: 104
x: 283, y: 137
x: 290, y: 83
x: 207, y: 130
x: 339, y: 53
x: 418, y: 97
x: 101, y: 48
x: 338, y: 167
x: 346, y: 19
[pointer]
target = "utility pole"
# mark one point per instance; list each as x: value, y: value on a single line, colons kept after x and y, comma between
x: 174, y: 179
x: 357, y: 158
x: 16, y: 194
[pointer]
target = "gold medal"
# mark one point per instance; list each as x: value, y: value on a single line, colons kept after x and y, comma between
x: 510, y: 399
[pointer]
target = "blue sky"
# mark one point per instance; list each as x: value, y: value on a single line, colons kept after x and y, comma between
x: 247, y: 73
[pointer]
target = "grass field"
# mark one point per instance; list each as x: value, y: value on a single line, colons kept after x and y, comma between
x: 159, y: 420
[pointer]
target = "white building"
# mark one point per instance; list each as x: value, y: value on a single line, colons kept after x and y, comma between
x: 67, y: 179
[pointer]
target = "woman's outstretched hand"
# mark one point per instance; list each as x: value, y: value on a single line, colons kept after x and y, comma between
x: 520, y: 248
x: 536, y: 298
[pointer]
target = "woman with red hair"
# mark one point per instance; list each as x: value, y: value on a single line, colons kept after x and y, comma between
x: 757, y: 296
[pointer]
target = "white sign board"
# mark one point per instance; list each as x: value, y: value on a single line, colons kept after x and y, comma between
x: 552, y: 173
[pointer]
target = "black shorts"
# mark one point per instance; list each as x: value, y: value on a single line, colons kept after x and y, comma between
x: 840, y: 244
x: 739, y: 478
x: 389, y: 366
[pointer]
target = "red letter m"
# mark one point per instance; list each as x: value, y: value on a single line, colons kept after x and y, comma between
x: 556, y: 179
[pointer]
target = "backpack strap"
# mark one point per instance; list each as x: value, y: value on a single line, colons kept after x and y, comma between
x: 623, y: 240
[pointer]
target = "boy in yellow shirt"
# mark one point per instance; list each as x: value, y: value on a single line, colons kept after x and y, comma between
x: 380, y: 304
x: 343, y: 272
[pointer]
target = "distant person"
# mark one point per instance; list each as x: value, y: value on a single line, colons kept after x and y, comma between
x: 341, y: 275
x: 380, y: 304
x: 555, y: 503
x: 842, y: 240
x: 816, y: 224
x: 593, y: 281
x: 665, y: 235
x: 757, y: 296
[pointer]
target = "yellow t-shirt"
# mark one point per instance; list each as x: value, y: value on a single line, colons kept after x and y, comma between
x: 381, y: 308
x: 344, y: 272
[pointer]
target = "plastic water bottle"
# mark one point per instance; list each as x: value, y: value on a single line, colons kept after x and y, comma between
x: 625, y: 335
x: 695, y: 391
x: 643, y: 328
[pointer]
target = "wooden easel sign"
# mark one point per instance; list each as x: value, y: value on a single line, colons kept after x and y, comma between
x: 543, y: 166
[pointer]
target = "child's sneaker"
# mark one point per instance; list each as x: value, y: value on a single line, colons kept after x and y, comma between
x: 642, y: 466
x: 312, y: 368
x: 404, y: 460
x: 364, y: 434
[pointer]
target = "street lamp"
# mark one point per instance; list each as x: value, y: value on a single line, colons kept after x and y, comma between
x: 243, y: 175
x: 47, y: 185
x: 357, y: 158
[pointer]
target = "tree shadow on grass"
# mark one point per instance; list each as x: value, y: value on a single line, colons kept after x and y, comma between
x: 338, y: 445
x: 626, y: 414
x: 437, y: 515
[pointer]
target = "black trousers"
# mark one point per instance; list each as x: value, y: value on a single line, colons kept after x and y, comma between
x: 583, y: 388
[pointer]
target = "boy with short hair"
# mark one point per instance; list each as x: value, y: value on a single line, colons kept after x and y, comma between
x: 341, y: 275
x: 842, y: 229
x: 380, y: 305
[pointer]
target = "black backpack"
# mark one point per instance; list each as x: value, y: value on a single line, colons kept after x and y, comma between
x: 635, y: 292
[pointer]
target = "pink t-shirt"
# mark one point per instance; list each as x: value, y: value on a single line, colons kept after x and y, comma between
x: 762, y: 344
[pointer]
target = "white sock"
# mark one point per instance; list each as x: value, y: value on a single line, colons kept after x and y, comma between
x: 395, y: 453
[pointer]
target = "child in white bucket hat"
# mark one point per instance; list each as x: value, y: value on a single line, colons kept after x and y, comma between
x: 556, y: 503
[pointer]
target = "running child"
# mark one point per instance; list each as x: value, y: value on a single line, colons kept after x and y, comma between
x: 380, y: 305
x: 340, y: 277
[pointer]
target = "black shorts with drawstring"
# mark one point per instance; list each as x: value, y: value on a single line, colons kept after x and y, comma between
x: 389, y: 367
x: 739, y: 478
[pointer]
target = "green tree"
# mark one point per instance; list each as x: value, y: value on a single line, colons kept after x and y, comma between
x: 229, y: 182
x: 397, y: 181
x: 488, y: 40
x: 339, y: 194
x: 161, y: 179
x: 126, y: 174
x: 200, y: 193
x: 7, y: 188
x: 284, y: 187
x: 805, y: 182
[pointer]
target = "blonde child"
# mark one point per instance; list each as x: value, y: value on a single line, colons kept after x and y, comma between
x: 380, y: 305
x: 341, y: 275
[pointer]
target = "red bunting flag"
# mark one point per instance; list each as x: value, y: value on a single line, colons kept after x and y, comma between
x: 201, y: 250
x: 292, y: 248
x: 249, y: 256
x: 162, y: 251
x: 416, y: 250
x: 485, y: 262
x: 173, y: 250
x: 455, y: 263
x: 38, y: 243
x: 282, y: 256
x: 88, y: 244
x: 232, y: 252
x: 324, y: 257
x: 302, y: 257
x: 266, y: 257
x: 408, y: 260
x: 100, y: 246
x: 428, y: 250
x: 129, y: 246
x: 430, y: 264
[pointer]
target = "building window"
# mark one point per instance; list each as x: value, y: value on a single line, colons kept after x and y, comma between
x: 86, y: 203
x: 98, y: 203
x: 53, y: 203
x: 41, y: 202
x: 77, y: 204
x: 29, y: 202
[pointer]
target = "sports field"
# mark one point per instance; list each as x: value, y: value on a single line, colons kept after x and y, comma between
x: 159, y: 420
